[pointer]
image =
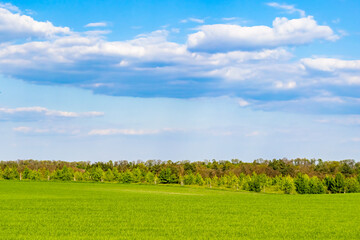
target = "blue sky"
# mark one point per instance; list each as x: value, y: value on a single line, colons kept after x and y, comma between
x: 180, y: 80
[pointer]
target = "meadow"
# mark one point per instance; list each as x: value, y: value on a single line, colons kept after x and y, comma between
x: 70, y: 210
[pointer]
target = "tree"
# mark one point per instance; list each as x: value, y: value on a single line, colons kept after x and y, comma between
x: 329, y: 183
x: 352, y: 185
x: 256, y: 183
x: 109, y: 175
x: 316, y: 186
x: 35, y: 175
x: 199, y: 180
x: 288, y: 185
x: 150, y: 178
x: 167, y: 176
x: 137, y: 174
x: 339, y: 184
x: 67, y: 174
x: 189, y: 179
x: 302, y: 183
x: 116, y: 174
x: 127, y: 177
x: 96, y: 174
x: 10, y: 173
x: 26, y: 173
x: 78, y: 176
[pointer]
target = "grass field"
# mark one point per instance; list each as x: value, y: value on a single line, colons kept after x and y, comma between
x: 56, y: 210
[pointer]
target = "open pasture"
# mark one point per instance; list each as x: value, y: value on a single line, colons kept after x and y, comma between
x: 68, y: 210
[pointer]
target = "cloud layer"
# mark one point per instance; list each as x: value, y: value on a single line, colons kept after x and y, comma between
x: 254, y: 63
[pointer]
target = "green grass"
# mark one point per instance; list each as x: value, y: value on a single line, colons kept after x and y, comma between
x: 55, y: 210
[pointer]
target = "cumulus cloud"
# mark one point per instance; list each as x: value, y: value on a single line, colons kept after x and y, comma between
x: 111, y: 67
x: 96, y: 24
x: 284, y: 32
x: 333, y: 71
x: 330, y: 64
x: 14, y: 26
x: 33, y: 113
x: 288, y: 8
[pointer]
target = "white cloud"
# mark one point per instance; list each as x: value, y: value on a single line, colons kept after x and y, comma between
x: 330, y: 64
x: 10, y: 7
x: 105, y: 132
x: 14, y: 26
x: 195, y: 20
x: 336, y: 71
x: 96, y: 24
x: 288, y: 8
x: 26, y: 113
x: 228, y: 37
x: 33, y: 130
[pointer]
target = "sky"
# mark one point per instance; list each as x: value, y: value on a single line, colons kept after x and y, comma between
x: 179, y: 80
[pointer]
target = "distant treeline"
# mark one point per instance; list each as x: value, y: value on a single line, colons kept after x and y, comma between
x: 301, y: 176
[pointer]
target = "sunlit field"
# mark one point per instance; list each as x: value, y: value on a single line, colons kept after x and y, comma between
x: 56, y: 210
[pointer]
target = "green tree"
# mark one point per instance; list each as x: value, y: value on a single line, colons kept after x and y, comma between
x: 288, y: 185
x: 316, y: 186
x: 116, y: 175
x: 352, y: 185
x: 109, y: 175
x: 10, y: 173
x: 329, y: 182
x: 302, y: 183
x: 78, y: 176
x: 26, y: 173
x: 137, y: 174
x: 127, y: 177
x: 189, y: 179
x: 199, y: 180
x: 67, y: 174
x: 167, y: 176
x: 96, y: 174
x: 35, y: 175
x: 339, y: 184
x: 150, y: 178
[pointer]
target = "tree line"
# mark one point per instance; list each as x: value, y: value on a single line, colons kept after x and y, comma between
x: 302, y: 176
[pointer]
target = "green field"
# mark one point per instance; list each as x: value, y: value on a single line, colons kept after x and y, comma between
x: 56, y: 210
